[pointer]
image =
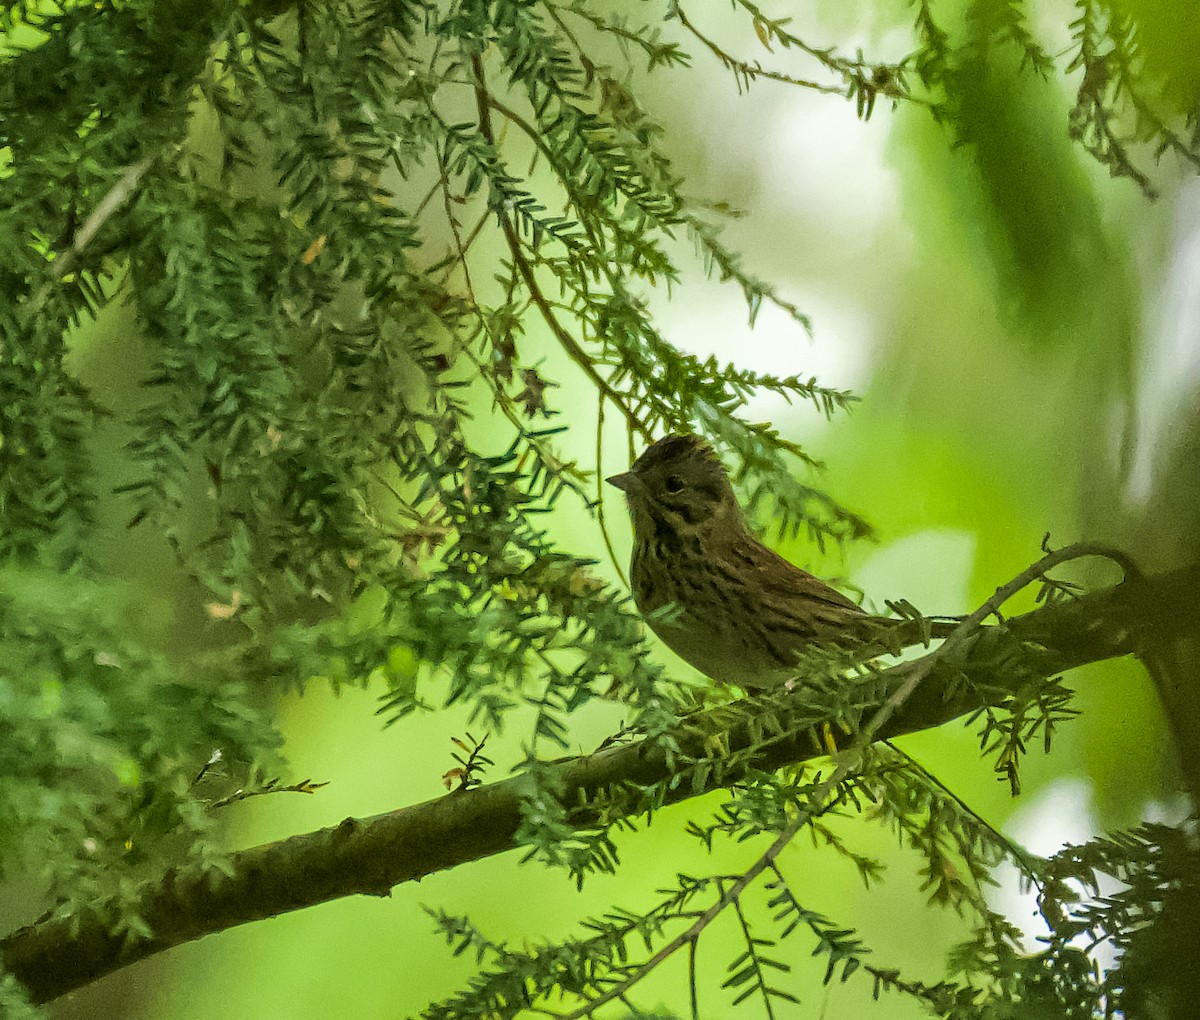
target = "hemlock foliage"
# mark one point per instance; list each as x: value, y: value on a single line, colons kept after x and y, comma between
x: 323, y: 230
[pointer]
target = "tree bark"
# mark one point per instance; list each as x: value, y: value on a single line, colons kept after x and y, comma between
x: 371, y: 855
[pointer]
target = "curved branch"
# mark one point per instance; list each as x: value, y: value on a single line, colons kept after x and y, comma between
x: 575, y: 352
x: 371, y: 855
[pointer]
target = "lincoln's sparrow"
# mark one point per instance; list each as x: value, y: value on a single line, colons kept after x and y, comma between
x: 739, y: 612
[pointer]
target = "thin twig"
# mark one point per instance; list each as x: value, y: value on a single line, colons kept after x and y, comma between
x: 447, y: 206
x: 760, y: 978
x: 747, y: 72
x: 693, y: 996
x: 1015, y: 853
x: 304, y: 786
x: 502, y: 399
x: 538, y: 140
x: 600, y: 516
x: 566, y: 341
x: 117, y: 196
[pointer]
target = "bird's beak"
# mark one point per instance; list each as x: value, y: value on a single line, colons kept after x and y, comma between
x: 624, y: 482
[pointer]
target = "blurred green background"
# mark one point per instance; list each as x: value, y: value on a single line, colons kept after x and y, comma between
x: 1015, y: 324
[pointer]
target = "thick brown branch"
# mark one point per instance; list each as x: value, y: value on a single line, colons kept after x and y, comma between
x: 373, y: 854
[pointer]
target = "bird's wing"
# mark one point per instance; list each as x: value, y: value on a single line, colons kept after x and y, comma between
x: 788, y: 608
x: 784, y: 580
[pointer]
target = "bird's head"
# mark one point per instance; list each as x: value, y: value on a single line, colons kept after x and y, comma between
x: 679, y: 483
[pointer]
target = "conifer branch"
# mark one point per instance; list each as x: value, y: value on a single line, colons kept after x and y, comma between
x: 370, y: 856
x: 829, y: 792
x: 568, y: 343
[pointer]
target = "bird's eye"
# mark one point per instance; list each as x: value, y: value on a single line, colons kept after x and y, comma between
x: 673, y: 484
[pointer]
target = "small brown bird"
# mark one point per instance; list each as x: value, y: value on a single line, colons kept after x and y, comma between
x: 720, y: 599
